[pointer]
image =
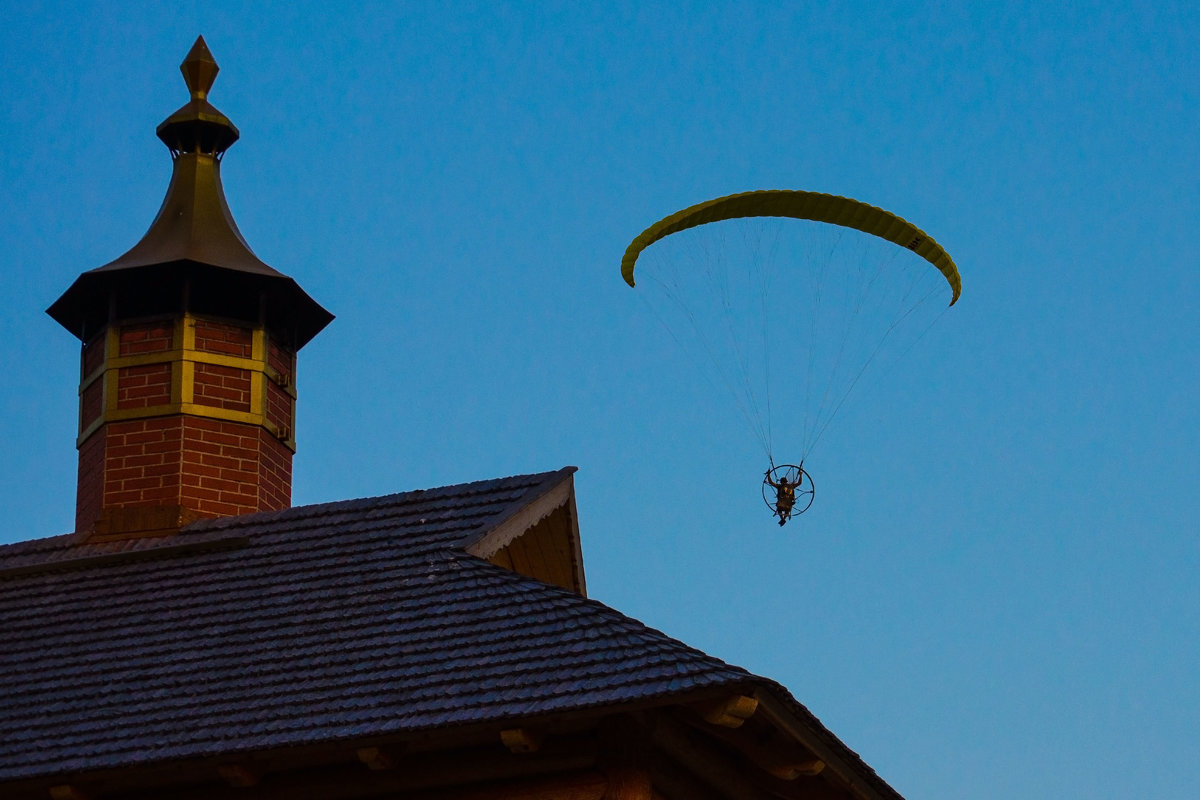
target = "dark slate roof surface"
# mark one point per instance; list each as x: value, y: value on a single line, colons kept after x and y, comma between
x: 364, y: 617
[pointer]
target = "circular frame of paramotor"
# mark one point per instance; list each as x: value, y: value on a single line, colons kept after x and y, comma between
x: 793, y: 473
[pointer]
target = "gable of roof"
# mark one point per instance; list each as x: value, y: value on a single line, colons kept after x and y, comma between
x: 540, y: 540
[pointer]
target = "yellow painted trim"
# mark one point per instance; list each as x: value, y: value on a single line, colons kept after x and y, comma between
x: 183, y: 372
x: 89, y: 430
x: 183, y: 358
x: 110, y: 392
x: 258, y: 345
x: 186, y: 331
x: 87, y: 380
x: 201, y: 356
x: 96, y: 375
x: 258, y: 393
x: 112, y: 342
x: 212, y: 412
x: 288, y: 387
x: 192, y: 410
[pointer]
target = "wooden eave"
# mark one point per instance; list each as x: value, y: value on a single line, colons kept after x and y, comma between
x: 579, y: 756
x: 860, y: 780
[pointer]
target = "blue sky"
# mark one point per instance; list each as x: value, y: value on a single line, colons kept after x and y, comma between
x: 996, y: 591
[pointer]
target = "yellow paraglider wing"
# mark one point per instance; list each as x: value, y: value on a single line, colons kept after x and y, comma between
x: 813, y: 206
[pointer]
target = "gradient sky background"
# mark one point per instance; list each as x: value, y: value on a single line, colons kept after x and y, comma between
x: 996, y: 592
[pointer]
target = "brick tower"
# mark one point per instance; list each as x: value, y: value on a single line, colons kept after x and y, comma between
x: 187, y: 384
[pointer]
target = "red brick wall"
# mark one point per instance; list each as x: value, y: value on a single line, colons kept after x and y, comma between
x: 141, y: 461
x: 220, y: 461
x: 93, y: 353
x: 215, y: 468
x: 279, y: 408
x: 230, y: 468
x: 223, y: 337
x: 144, y: 386
x: 129, y: 463
x: 90, y: 487
x: 146, y: 337
x: 281, y: 360
x: 91, y: 404
x: 275, y: 473
x: 222, y: 387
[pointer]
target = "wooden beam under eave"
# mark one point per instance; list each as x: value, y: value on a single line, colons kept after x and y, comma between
x: 575, y: 786
x: 238, y: 775
x: 678, y: 783
x: 333, y: 772
x: 765, y: 746
x: 838, y: 772
x: 521, y: 740
x: 375, y: 759
x: 709, y: 763
x: 731, y: 711
x: 626, y: 783
x: 434, y: 775
x: 67, y: 792
x: 622, y: 753
x: 791, y: 770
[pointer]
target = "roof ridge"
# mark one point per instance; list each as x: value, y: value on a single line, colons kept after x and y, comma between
x: 361, y: 504
x: 44, y: 543
x: 69, y: 546
x: 173, y: 547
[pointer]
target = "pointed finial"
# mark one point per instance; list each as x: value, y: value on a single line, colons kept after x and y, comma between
x: 199, y: 69
x: 197, y: 126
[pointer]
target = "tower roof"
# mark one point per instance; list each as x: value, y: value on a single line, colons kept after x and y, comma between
x: 193, y: 252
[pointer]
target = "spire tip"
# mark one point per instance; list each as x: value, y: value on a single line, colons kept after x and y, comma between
x: 199, y: 69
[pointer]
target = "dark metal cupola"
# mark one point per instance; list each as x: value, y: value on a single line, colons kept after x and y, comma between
x: 187, y: 383
x: 193, y: 257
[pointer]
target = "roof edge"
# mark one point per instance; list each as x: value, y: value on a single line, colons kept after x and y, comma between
x: 790, y: 715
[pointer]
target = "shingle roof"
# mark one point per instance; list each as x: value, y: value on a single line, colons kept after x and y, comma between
x: 357, y: 618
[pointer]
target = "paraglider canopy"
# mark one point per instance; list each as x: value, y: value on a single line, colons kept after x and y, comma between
x: 814, y: 206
